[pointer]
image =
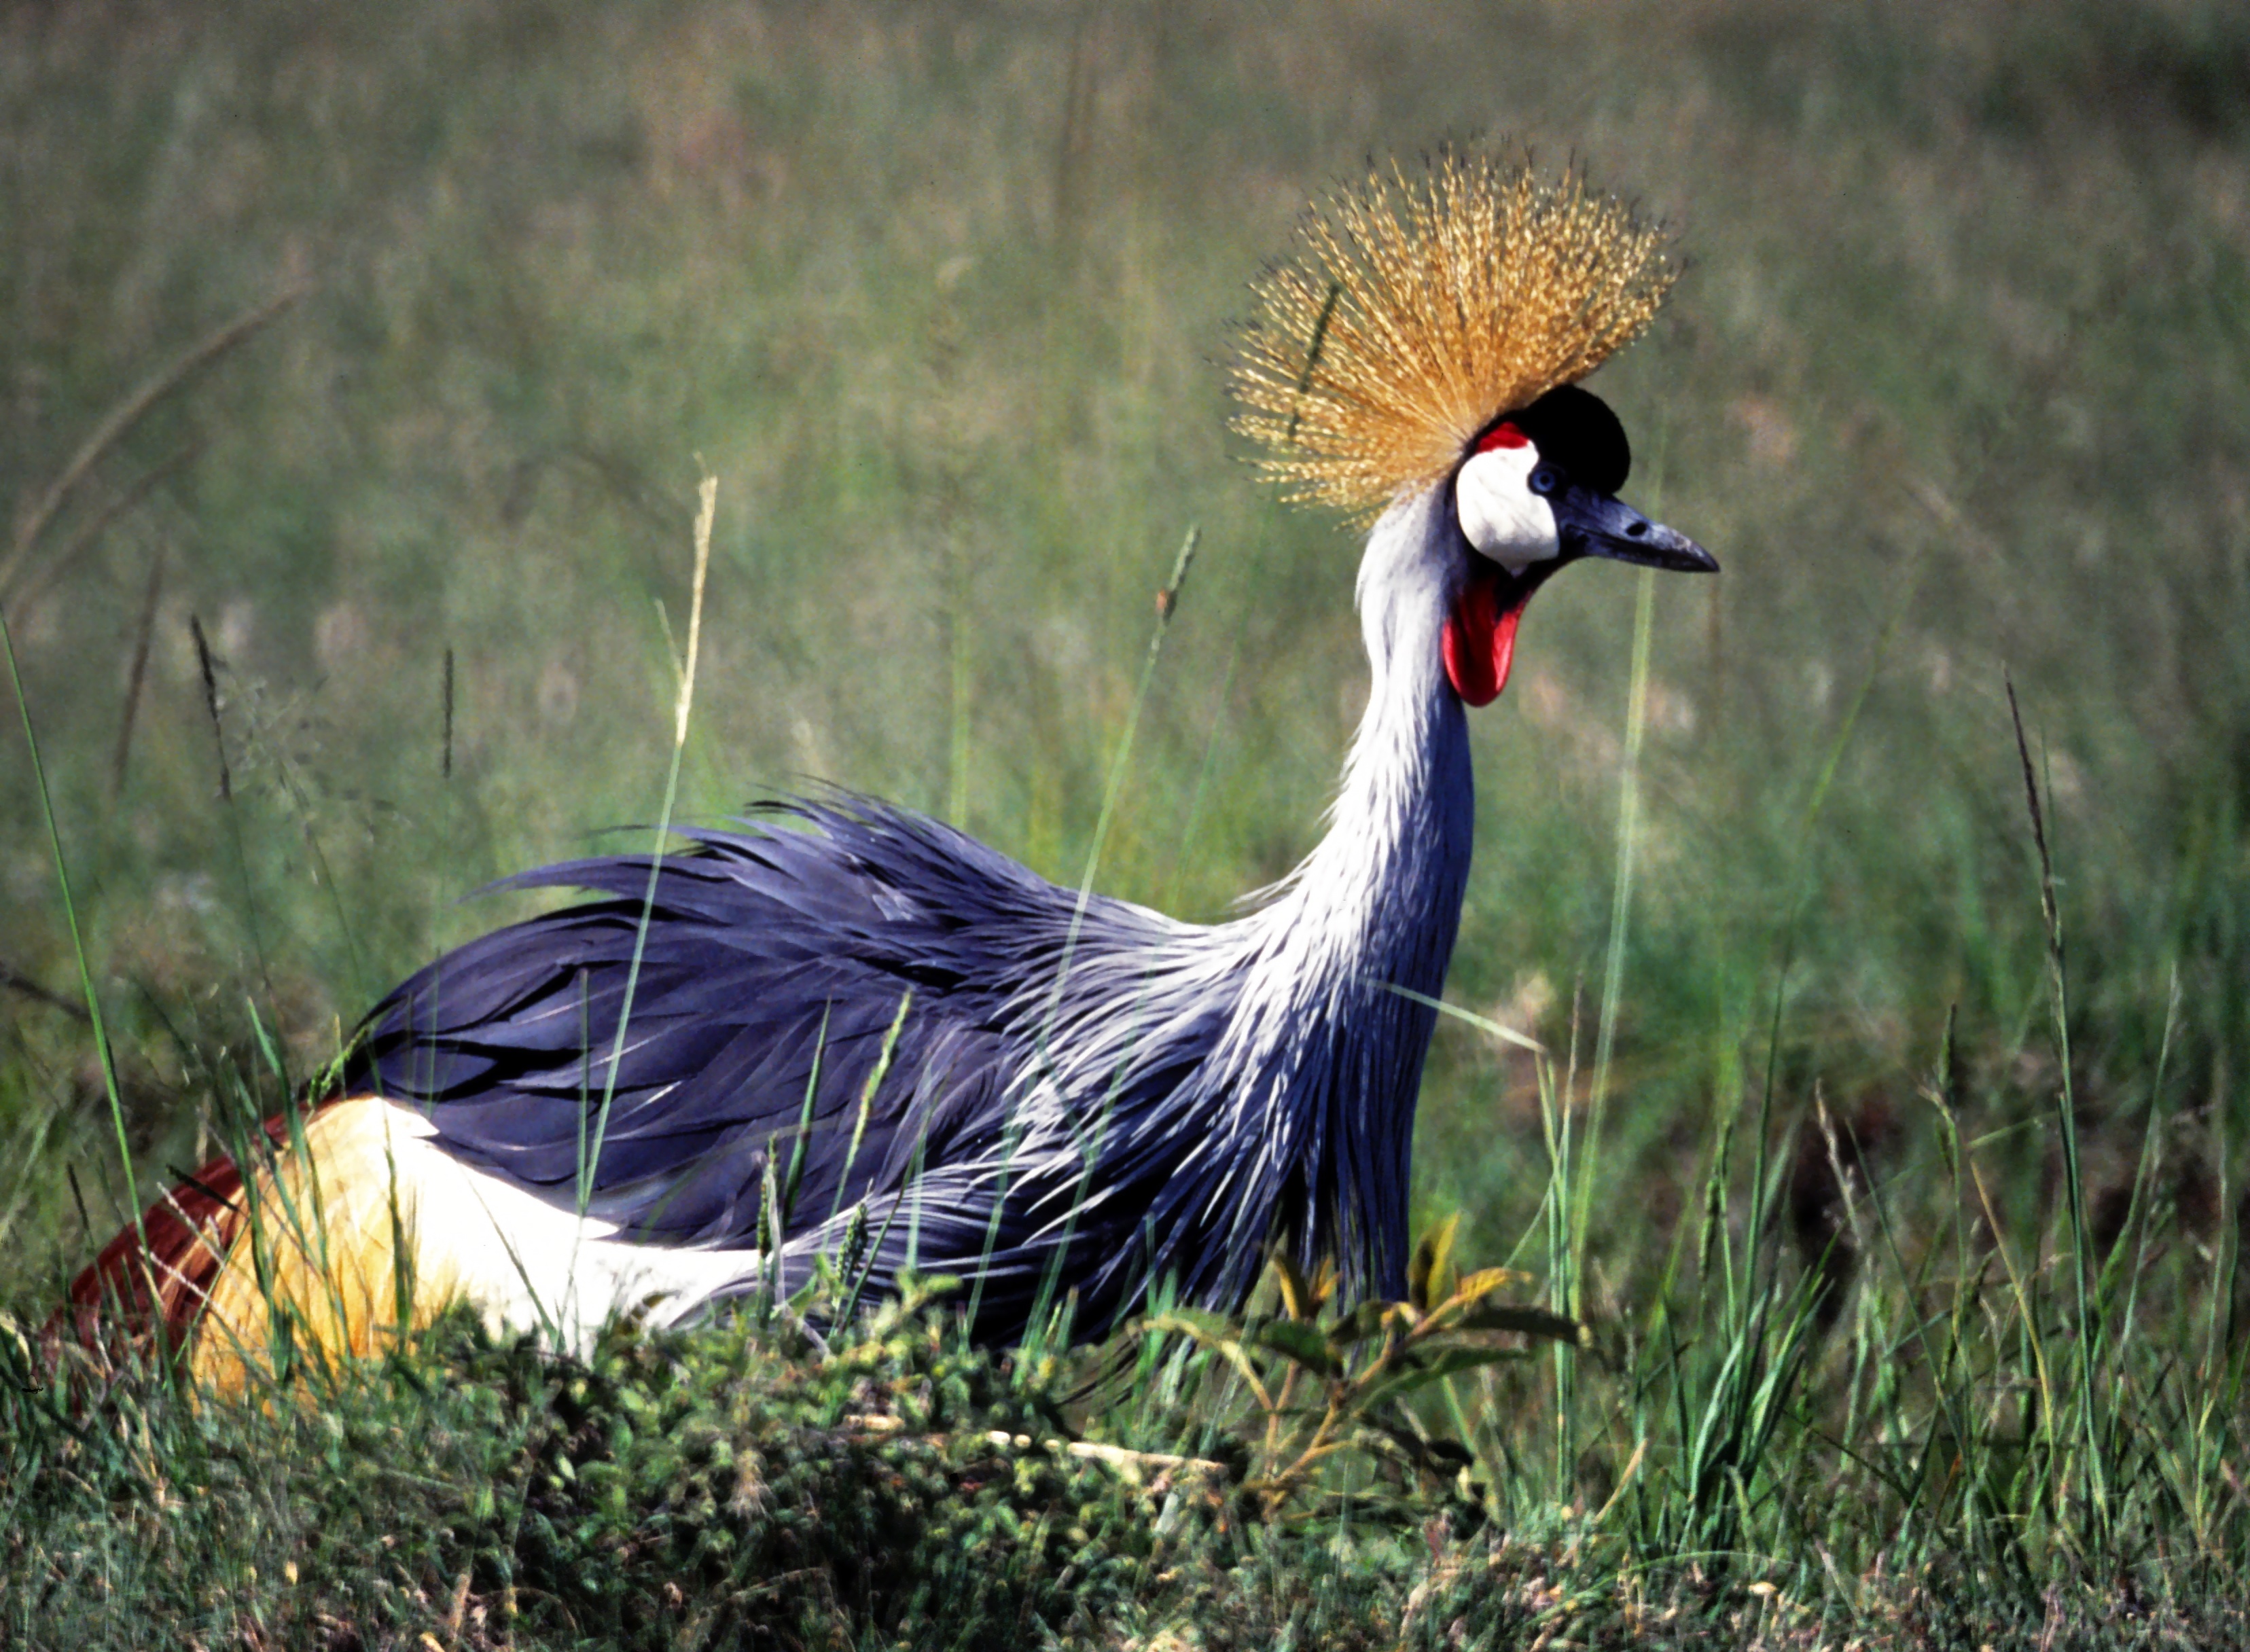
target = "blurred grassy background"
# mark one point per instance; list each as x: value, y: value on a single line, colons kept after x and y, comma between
x: 1956, y: 386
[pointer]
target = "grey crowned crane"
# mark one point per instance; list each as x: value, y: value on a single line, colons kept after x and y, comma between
x: 948, y: 1063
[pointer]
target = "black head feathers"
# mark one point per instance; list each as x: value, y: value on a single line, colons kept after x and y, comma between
x: 1576, y: 431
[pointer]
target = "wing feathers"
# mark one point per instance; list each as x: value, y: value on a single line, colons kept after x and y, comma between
x: 774, y: 966
x: 774, y: 963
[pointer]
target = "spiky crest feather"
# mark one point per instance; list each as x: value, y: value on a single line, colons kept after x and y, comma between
x: 1420, y: 309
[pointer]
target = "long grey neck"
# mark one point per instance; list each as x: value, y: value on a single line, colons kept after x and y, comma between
x: 1379, y: 900
x: 1337, y: 1009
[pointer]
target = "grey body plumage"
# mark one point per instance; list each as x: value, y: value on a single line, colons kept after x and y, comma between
x: 1084, y: 1096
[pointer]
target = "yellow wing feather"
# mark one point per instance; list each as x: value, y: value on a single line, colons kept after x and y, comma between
x: 321, y: 1251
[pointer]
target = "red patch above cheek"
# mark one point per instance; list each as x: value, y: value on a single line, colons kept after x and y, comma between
x: 1480, y: 641
x: 1502, y: 435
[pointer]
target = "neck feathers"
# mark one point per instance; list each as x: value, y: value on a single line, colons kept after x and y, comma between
x: 1357, y: 939
x: 1380, y: 897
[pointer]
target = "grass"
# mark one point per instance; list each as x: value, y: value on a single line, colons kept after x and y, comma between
x: 1909, y: 1240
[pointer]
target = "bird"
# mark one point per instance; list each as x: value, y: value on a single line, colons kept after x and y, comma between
x: 838, y: 1028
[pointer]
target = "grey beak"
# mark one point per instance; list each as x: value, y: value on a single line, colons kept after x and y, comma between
x: 1597, y: 525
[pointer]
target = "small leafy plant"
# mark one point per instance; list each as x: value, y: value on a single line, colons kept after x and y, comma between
x: 1333, y: 1388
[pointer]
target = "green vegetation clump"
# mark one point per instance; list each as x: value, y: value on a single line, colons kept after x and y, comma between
x: 750, y: 1483
x: 708, y: 1488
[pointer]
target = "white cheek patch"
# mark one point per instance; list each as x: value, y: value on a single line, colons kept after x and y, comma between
x: 1501, y: 516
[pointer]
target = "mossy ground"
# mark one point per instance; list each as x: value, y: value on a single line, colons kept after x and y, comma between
x: 739, y: 1486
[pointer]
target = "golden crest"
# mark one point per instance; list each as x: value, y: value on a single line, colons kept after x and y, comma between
x: 1418, y: 310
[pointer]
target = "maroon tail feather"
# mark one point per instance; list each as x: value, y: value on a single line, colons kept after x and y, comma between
x: 130, y: 1296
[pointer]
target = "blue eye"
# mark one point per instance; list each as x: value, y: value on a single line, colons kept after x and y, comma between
x: 1545, y: 480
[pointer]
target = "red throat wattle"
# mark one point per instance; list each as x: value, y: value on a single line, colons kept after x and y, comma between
x: 1479, y: 640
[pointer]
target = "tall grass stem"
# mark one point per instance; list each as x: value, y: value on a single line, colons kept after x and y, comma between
x: 707, y: 507
x: 96, y: 1024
